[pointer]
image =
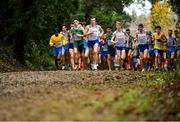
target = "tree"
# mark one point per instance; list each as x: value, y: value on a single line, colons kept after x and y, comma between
x: 28, y: 24
x: 106, y: 6
x: 162, y: 15
x: 176, y: 8
x: 22, y: 21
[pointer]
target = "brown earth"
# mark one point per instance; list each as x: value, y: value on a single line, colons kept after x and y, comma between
x: 88, y: 95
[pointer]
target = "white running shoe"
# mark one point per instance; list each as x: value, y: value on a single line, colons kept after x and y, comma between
x: 116, y: 68
x: 92, y: 66
x: 95, y: 67
x: 63, y: 67
x: 143, y: 70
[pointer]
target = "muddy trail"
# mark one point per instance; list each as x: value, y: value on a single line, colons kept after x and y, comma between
x: 102, y: 95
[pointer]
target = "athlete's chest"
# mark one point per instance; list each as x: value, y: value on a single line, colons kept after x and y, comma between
x: 142, y: 35
x: 108, y: 36
x: 77, y: 30
x: 56, y: 38
x: 93, y: 29
x: 158, y: 36
x: 170, y: 39
x: 66, y: 34
x: 120, y: 35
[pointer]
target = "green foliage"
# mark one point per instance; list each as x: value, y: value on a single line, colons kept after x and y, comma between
x: 108, y: 18
x: 31, y: 23
x: 177, y: 72
x: 38, y: 56
x: 162, y: 15
x: 175, y: 6
x: 6, y: 55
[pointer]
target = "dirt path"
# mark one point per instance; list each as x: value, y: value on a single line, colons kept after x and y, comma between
x: 102, y: 95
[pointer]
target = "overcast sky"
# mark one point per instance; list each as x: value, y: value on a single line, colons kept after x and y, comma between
x: 139, y: 8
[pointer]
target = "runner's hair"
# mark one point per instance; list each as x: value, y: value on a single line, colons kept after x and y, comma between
x: 158, y: 27
x: 92, y: 17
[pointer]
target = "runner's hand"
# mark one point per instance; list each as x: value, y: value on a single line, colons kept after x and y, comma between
x: 55, y: 42
x: 79, y: 35
x: 89, y: 33
x: 114, y: 42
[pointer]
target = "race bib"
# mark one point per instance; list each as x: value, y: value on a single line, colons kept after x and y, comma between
x: 120, y: 38
x: 158, y: 42
x: 142, y: 38
x: 94, y: 33
x: 104, y: 48
x: 170, y: 42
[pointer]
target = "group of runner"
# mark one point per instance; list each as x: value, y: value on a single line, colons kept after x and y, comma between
x: 90, y: 47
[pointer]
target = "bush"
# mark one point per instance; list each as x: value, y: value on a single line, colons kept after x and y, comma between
x: 37, y: 56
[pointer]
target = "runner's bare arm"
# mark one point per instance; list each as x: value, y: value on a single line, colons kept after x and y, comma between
x: 175, y: 42
x: 70, y: 34
x: 87, y: 31
x: 102, y: 31
x: 164, y: 39
x: 112, y: 39
x: 148, y: 37
x: 84, y: 32
x: 127, y: 40
x: 136, y: 40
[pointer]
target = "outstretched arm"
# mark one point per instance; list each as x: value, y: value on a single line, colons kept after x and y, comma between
x: 102, y: 31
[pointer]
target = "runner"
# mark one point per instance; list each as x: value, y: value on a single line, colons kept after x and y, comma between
x: 164, y: 64
x: 78, y: 34
x: 171, y: 44
x: 71, y: 47
x: 103, y: 53
x: 86, y: 54
x: 142, y: 42
x: 65, y: 54
x: 177, y: 36
x: 56, y: 41
x: 135, y: 59
x: 151, y: 52
x: 159, y: 39
x: 119, y: 39
x: 111, y: 49
x: 94, y: 32
x: 129, y: 48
